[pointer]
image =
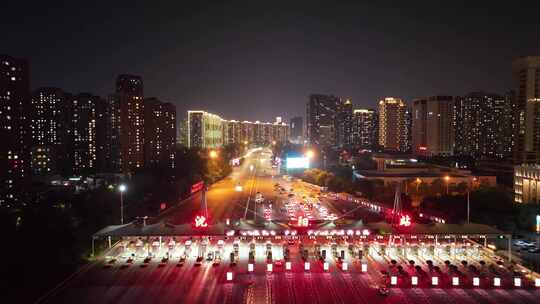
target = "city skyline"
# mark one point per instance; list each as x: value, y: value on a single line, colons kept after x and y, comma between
x: 218, y: 70
x: 278, y: 152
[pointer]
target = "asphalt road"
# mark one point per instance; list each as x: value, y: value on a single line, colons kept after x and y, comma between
x: 168, y: 282
x: 223, y: 200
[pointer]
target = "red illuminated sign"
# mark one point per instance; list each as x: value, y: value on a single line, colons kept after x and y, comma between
x: 405, y: 221
x: 200, y: 221
x: 303, y: 221
x: 197, y: 187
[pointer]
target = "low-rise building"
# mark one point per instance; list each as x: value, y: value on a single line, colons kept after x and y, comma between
x: 527, y: 184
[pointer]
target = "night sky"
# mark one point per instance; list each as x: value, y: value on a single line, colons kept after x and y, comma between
x: 249, y: 60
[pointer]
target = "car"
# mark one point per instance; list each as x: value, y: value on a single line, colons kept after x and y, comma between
x: 522, y: 244
x: 278, y: 263
x: 519, y: 243
x: 210, y: 256
x: 534, y: 250
x: 199, y: 260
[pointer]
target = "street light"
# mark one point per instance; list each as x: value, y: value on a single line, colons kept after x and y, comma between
x: 213, y: 154
x: 447, y: 180
x: 469, y: 198
x: 122, y: 188
x: 310, y: 154
x: 418, y: 182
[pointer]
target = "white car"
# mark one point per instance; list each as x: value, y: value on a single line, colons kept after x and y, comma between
x: 524, y: 244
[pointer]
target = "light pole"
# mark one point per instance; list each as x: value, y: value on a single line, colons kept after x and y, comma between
x: 418, y: 182
x: 122, y: 189
x: 469, y: 199
x: 468, y: 205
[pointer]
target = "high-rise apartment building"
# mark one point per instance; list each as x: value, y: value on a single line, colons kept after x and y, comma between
x: 247, y: 131
x: 205, y: 130
x: 433, y: 126
x: 262, y: 132
x: 526, y: 73
x: 208, y: 130
x: 322, y: 113
x: 296, y: 126
x: 392, y: 124
x: 344, y: 123
x: 85, y: 133
x: 233, y: 130
x: 259, y: 133
x: 49, y: 132
x: 14, y: 128
x: 407, y: 132
x: 113, y: 151
x: 375, y: 134
x: 103, y: 133
x: 363, y: 128
x: 129, y: 95
x: 160, y: 133
x: 419, y: 126
x: 484, y: 124
x: 181, y: 134
x: 280, y: 132
x: 69, y: 133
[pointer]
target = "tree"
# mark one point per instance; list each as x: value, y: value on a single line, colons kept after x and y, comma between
x: 526, y: 216
x: 461, y: 187
x: 364, y: 186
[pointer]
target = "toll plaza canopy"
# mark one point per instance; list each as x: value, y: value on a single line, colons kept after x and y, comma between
x: 276, y: 228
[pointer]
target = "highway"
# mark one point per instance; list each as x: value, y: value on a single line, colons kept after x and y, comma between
x: 174, y: 274
x: 255, y: 174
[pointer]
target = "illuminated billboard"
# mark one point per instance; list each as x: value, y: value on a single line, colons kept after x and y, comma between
x: 297, y: 163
